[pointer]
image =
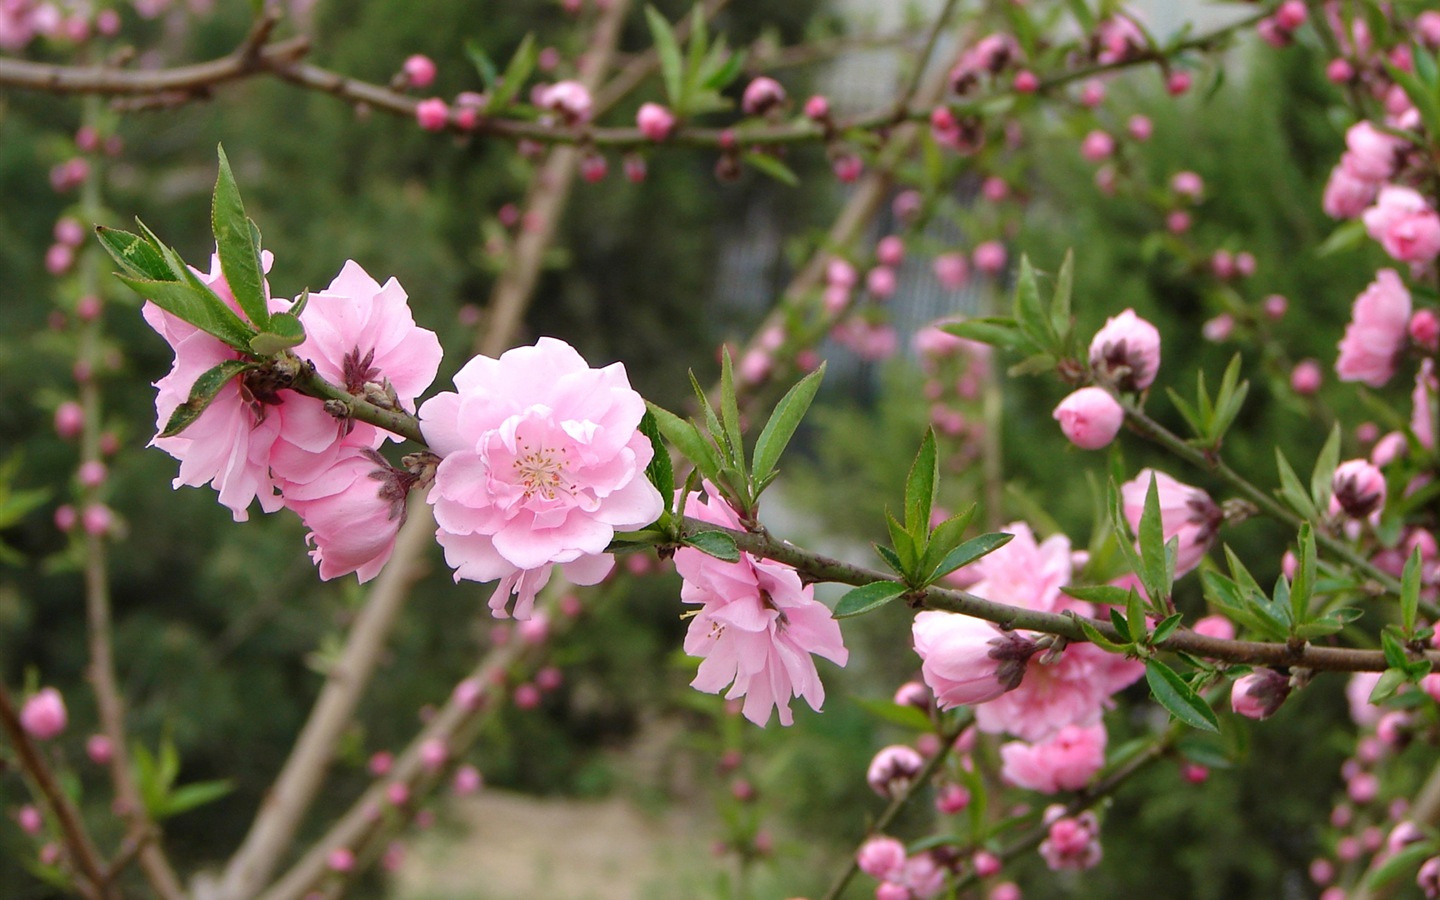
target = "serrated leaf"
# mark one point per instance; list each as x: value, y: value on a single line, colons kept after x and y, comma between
x: 968, y: 552
x: 773, y: 167
x: 200, y: 307
x: 1152, y: 546
x: 202, y: 392
x: 780, y: 427
x: 1135, y: 623
x: 1171, y: 691
x: 1304, y: 585
x: 134, y: 254
x: 671, y: 66
x: 920, y: 487
x: 1228, y: 402
x: 1060, y: 300
x: 903, y: 543
x: 714, y: 543
x: 235, y: 244
x: 283, y: 332
x: 870, y: 597
x: 946, y: 537
x: 688, y: 440
x: 1166, y: 628
x: 659, y: 471
x: 892, y: 559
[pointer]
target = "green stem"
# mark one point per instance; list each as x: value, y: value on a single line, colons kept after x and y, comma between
x: 396, y: 421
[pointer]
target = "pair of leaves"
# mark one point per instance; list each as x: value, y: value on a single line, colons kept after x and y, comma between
x: 1313, y: 503
x: 155, y: 776
x: 1044, y: 333
x: 501, y: 89
x: 695, y: 77
x: 1210, y: 419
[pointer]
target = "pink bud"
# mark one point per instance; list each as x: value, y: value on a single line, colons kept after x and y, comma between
x: 43, y: 716
x: 88, y: 308
x: 893, y: 768
x: 59, y: 258
x: 1305, y: 378
x: 1339, y: 71
x: 1363, y: 788
x: 50, y: 854
x: 847, y: 168
x: 1092, y: 93
x: 1189, y: 185
x: 1194, y: 773
x: 1097, y: 145
x: 1126, y: 352
x: 65, y: 517
x: 1259, y: 694
x: 1244, y: 264
x: 880, y: 857
x: 469, y: 694
x: 92, y: 473
x: 1178, y: 221
x: 1219, y: 328
x: 1291, y: 14
x: 1178, y: 83
x: 986, y: 863
x: 570, y: 99
x: 1427, y: 26
x: 1428, y: 878
x: 96, y: 519
x: 1275, y: 306
x: 467, y: 781
x: 380, y: 763
x: 548, y: 59
x: 527, y: 696
x: 87, y: 139
x: 990, y: 258
x: 419, y: 70
x: 107, y: 22
x: 570, y: 606
x: 398, y: 793
x: 951, y: 270
x: 743, y: 790
x: 99, y: 749
x: 817, y: 108
x: 1026, y: 82
x: 880, y: 281
x: 1006, y: 890
x: 890, y: 251
x: 1090, y: 417
x: 30, y: 820
x: 341, y: 859
x: 69, y: 232
x: 1140, y: 128
x: 69, y: 420
x: 655, y: 121
x: 534, y: 630
x: 433, y: 754
x: 1222, y: 264
x: 593, y: 168
x: 762, y: 95
x: 432, y: 114
x: 1424, y: 329
x: 1358, y: 488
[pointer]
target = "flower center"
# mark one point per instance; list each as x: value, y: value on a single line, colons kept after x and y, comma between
x: 541, y: 470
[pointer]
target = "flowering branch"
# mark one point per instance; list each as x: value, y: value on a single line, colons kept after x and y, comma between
x: 82, y: 850
x: 817, y: 567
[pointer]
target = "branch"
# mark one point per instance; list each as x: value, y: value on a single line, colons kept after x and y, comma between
x: 81, y: 849
x: 817, y: 567
x: 246, y: 61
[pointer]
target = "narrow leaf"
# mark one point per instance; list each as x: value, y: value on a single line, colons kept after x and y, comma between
x: 772, y: 167
x: 780, y: 427
x: 201, y: 393
x: 688, y: 440
x: 1292, y: 490
x: 133, y: 253
x: 200, y: 307
x: 714, y: 543
x: 870, y: 597
x: 1028, y: 310
x: 1093, y: 635
x: 968, y: 552
x: 517, y: 72
x: 239, y: 257
x: 1152, y: 546
x: 1304, y: 585
x: 659, y: 470
x: 670, y: 63
x: 920, y: 488
x: 1410, y: 591
x: 1171, y: 691
x: 1322, y: 476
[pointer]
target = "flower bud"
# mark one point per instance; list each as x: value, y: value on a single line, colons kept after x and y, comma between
x: 965, y: 660
x: 432, y: 114
x: 419, y: 70
x: 1140, y: 128
x: 30, y: 820
x: 341, y: 859
x: 433, y: 754
x: 69, y: 420
x: 1126, y: 352
x: 1358, y: 488
x: 43, y: 716
x: 880, y: 857
x: 1305, y: 378
x: 990, y: 257
x: 467, y: 781
x: 1090, y: 417
x: 570, y: 99
x: 99, y: 749
x: 1026, y: 82
x: 817, y: 108
x: 655, y: 121
x: 1259, y: 694
x: 893, y: 769
x: 951, y: 270
x: 1097, y: 145
x: 762, y: 95
x: 1424, y: 329
x: 1428, y: 878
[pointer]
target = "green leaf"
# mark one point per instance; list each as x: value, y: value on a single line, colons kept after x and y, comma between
x: 772, y: 167
x: 1029, y: 312
x: 133, y: 253
x: 968, y: 552
x: 946, y: 537
x: 1106, y: 594
x: 1292, y: 490
x: 284, y: 332
x: 1060, y: 301
x: 892, y: 559
x: 904, y: 716
x: 1323, y: 474
x: 200, y: 307
x: 1410, y: 591
x: 1304, y: 586
x: 1166, y: 628
x: 904, y: 544
x: 1228, y: 402
x: 782, y: 424
x: 1083, y: 16
x: 699, y: 43
x: 714, y: 543
x: 1399, y: 865
x: 721, y: 76
x: 201, y: 393
x: 1176, y: 696
x: 1347, y: 236
x: 235, y: 239
x: 688, y: 440
x: 1394, y: 651
x: 489, y: 75
x: 920, y: 487
x: 870, y: 597
x: 1135, y: 622
x: 997, y: 331
x: 670, y: 63
x: 1390, y: 682
x: 191, y: 796
x: 1093, y: 635
x: 1152, y: 546
x: 659, y: 471
x: 517, y: 72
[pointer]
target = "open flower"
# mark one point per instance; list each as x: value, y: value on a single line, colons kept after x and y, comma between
x: 758, y: 628
x: 1186, y: 513
x: 543, y: 462
x: 1064, y: 762
x: 1377, y: 331
x: 353, y: 510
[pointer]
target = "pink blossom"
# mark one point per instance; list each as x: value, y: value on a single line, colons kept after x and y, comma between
x: 1305, y: 378
x: 1126, y: 352
x: 1347, y: 196
x: 1072, y: 843
x: 880, y: 857
x: 1117, y: 38
x: 570, y: 99
x: 353, y: 508
x: 1188, y: 185
x: 1186, y: 513
x: 542, y: 463
x: 341, y: 859
x: 757, y: 626
x: 1215, y: 627
x: 920, y: 878
x: 1140, y: 127
x: 1404, y: 224
x: 432, y: 114
x: 1026, y: 82
x: 1427, y: 26
x: 817, y: 108
x: 951, y: 799
x: 419, y: 70
x: 1424, y: 329
x: 1097, y: 145
x: 1027, y: 573
x: 761, y: 95
x: 1219, y: 328
x: 1090, y: 417
x: 1358, y: 488
x: 1259, y: 694
x: 990, y: 257
x: 967, y: 661
x: 1371, y: 154
x: 1064, y: 762
x: 1376, y: 334
x: 43, y: 716
x: 951, y: 270
x: 892, y: 770
x: 988, y: 56
x: 655, y: 121
x: 69, y: 420
x: 1072, y: 690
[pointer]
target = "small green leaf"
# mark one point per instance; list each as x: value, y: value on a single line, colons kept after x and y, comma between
x: 968, y: 552
x: 904, y: 544
x: 1152, y: 546
x: 192, y: 796
x: 133, y: 253
x: 284, y: 332
x: 1410, y: 591
x: 517, y: 72
x: 945, y: 537
x: 1176, y: 696
x: 1060, y: 301
x: 997, y: 331
x: 670, y: 62
x: 1135, y: 618
x: 1304, y: 586
x: 239, y: 253
x: 1107, y: 594
x: 201, y: 393
x: 892, y: 559
x: 1323, y: 474
x: 905, y: 716
x: 659, y: 471
x: 1394, y: 651
x: 687, y: 438
x: 730, y: 412
x: 1292, y: 490
x: 782, y: 424
x: 871, y: 596
x: 1347, y: 236
x: 1093, y: 635
x: 773, y: 167
x: 1029, y: 312
x: 714, y: 543
x: 484, y: 65
x: 198, y: 306
x: 920, y: 487
x: 1390, y: 682
x: 1399, y: 865
x: 1166, y: 628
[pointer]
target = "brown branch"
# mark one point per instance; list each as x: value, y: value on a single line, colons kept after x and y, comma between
x: 80, y: 849
x: 199, y: 78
